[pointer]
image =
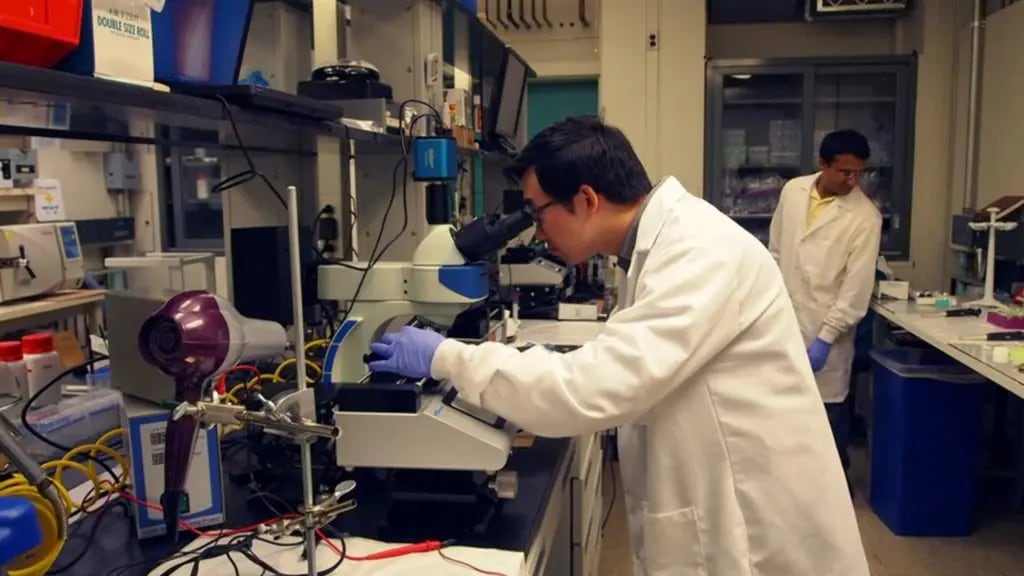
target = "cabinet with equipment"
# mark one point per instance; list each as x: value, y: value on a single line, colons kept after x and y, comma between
x: 766, y: 119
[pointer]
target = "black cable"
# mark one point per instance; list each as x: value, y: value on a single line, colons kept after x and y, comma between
x: 151, y: 564
x: 238, y: 543
x: 248, y: 553
x: 53, y: 382
x: 263, y: 498
x: 247, y: 175
x: 242, y: 544
x: 91, y: 538
x: 403, y: 163
x: 373, y: 253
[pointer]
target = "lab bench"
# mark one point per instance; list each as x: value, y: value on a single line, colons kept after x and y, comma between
x: 523, y: 532
x: 956, y: 337
x: 77, y: 309
x: 552, y: 527
x: 588, y: 457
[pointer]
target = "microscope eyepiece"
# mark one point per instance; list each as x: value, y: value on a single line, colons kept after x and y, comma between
x: 488, y: 234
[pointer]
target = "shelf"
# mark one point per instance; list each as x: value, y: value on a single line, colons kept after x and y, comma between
x: 303, y: 5
x: 764, y: 168
x: 22, y: 314
x: 763, y: 102
x: 857, y: 100
x: 371, y: 142
x: 54, y: 104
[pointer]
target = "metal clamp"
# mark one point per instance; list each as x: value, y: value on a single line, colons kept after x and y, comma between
x: 293, y: 416
x: 319, y: 515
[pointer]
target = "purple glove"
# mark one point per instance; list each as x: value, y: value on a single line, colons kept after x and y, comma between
x: 818, y: 353
x: 407, y: 352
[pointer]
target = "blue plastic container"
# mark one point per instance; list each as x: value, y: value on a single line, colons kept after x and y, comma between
x: 200, y: 41
x: 924, y: 446
x: 19, y: 529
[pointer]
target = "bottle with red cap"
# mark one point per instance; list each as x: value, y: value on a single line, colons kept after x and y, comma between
x: 13, y: 374
x: 43, y: 365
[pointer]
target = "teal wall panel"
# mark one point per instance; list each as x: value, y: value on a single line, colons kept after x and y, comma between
x: 549, y: 102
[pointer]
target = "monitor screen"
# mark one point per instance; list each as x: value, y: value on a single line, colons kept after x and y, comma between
x: 200, y: 41
x: 508, y: 109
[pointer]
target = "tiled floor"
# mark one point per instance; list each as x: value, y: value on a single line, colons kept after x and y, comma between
x: 995, y: 549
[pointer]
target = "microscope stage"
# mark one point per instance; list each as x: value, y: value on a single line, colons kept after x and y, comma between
x: 443, y: 434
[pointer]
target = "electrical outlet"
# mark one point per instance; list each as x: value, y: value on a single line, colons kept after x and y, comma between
x: 652, y: 41
x: 17, y: 167
x: 434, y: 69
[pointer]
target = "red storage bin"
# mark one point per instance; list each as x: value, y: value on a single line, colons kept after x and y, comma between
x: 39, y: 32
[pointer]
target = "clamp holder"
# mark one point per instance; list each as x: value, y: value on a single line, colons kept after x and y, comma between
x: 320, y: 514
x: 293, y: 416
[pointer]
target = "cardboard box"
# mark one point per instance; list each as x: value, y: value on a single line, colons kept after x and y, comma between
x: 895, y: 289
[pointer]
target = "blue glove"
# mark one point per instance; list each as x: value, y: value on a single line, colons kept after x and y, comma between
x: 407, y: 352
x: 818, y: 353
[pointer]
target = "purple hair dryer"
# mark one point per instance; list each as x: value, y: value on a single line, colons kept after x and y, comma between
x: 194, y: 336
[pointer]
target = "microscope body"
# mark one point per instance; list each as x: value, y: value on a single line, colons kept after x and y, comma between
x: 380, y: 420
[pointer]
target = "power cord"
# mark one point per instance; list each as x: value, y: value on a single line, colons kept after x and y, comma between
x: 43, y: 556
x: 251, y: 173
x: 91, y: 538
x: 403, y: 164
x: 53, y: 382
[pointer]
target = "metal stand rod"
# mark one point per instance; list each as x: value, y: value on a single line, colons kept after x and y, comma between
x: 970, y: 183
x: 294, y: 252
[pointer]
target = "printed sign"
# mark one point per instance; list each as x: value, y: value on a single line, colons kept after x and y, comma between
x: 49, y: 201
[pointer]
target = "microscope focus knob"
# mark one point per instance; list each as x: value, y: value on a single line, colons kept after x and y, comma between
x: 505, y: 484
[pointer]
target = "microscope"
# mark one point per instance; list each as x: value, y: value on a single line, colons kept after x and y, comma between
x: 422, y: 425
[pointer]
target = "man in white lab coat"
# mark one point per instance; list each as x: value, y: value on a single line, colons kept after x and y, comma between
x: 825, y: 235
x: 726, y: 460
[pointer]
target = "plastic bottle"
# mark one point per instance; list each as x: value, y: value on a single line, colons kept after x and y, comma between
x: 43, y: 365
x: 13, y: 374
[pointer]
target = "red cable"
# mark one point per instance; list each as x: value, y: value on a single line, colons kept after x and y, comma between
x: 427, y: 546
x: 219, y: 534
x: 222, y: 382
x: 467, y: 565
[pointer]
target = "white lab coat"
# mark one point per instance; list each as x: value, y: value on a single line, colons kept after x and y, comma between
x: 829, y: 271
x: 727, y: 462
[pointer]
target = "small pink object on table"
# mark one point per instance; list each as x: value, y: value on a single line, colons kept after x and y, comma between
x: 1014, y: 320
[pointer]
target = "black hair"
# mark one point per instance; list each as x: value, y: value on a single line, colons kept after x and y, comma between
x: 583, y: 150
x: 844, y: 142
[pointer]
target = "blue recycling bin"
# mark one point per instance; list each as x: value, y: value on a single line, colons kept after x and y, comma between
x: 926, y: 429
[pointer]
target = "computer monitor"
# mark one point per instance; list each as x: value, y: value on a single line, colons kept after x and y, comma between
x: 200, y: 42
x: 507, y: 97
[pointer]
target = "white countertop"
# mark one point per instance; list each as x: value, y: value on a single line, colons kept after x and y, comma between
x: 287, y: 559
x: 952, y: 336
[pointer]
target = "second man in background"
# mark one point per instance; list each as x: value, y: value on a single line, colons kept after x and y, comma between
x: 825, y: 235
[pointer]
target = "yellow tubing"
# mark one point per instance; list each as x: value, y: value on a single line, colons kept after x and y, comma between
x: 38, y: 561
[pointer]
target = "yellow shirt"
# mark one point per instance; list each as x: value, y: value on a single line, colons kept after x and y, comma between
x: 817, y: 206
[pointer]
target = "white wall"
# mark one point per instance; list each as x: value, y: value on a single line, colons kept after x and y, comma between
x: 1002, y: 111
x: 656, y: 94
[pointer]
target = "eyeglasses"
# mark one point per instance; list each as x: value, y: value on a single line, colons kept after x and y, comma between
x: 851, y: 174
x: 540, y: 210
